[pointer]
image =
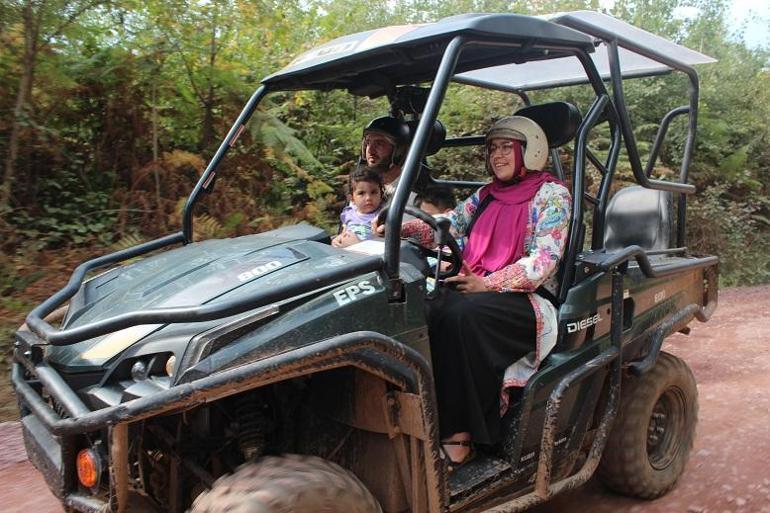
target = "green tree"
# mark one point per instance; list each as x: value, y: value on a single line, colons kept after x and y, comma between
x: 43, y: 23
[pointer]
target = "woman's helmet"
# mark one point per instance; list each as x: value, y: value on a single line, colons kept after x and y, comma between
x: 396, y: 131
x: 529, y: 133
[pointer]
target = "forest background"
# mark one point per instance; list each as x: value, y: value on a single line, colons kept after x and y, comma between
x: 110, y: 109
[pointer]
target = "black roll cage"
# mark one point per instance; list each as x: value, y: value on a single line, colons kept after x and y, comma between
x: 601, y: 109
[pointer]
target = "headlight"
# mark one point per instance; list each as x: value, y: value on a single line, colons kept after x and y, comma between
x: 170, y: 365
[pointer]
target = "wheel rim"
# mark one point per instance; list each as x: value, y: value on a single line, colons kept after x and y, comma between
x: 665, y: 430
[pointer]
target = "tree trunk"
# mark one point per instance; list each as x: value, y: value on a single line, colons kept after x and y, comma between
x: 207, y: 131
x: 31, y: 28
x: 155, y: 153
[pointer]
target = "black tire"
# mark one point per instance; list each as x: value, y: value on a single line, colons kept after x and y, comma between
x: 285, y: 484
x: 653, y: 435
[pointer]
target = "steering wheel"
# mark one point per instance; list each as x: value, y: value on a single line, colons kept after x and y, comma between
x: 442, y: 237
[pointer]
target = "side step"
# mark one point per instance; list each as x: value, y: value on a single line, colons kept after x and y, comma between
x: 471, y: 480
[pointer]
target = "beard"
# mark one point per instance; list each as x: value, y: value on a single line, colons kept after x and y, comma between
x: 381, y: 165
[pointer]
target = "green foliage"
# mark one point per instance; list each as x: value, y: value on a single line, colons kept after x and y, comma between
x: 735, y: 231
x: 131, y: 98
x: 272, y: 133
x: 12, y: 281
x: 16, y: 275
x: 68, y: 213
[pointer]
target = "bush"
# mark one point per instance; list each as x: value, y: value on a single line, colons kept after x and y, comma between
x: 733, y: 230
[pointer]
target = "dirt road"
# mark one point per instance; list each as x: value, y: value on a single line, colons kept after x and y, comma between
x: 728, y: 472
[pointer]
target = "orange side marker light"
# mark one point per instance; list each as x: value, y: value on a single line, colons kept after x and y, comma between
x: 89, y: 468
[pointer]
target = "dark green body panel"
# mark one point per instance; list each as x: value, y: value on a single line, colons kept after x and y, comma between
x: 214, y: 270
x: 648, y: 302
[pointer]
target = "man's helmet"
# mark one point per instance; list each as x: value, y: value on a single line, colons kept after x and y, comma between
x: 395, y: 130
x: 525, y: 130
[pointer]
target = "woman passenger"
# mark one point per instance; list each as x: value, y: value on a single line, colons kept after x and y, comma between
x: 492, y: 326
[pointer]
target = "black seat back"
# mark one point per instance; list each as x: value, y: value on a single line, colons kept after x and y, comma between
x: 435, y: 139
x: 559, y: 120
x: 639, y: 216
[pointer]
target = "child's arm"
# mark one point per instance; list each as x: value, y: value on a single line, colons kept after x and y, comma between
x: 342, y: 239
x: 337, y: 239
x: 345, y: 239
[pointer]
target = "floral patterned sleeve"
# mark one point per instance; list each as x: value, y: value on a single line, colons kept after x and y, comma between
x: 549, y: 224
x: 460, y: 217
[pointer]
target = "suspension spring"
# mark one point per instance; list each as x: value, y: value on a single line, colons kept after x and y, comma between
x: 253, y: 425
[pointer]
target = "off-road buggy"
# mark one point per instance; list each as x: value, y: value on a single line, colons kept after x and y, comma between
x: 274, y: 372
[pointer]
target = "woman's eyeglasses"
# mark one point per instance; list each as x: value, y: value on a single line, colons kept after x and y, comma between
x: 505, y: 148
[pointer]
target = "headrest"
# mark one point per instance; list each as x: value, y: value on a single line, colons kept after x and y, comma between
x: 559, y: 120
x: 435, y: 139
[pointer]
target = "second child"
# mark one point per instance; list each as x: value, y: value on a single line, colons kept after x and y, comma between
x: 436, y: 201
x: 439, y: 201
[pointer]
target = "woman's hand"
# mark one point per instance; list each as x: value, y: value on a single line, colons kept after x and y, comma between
x: 467, y: 282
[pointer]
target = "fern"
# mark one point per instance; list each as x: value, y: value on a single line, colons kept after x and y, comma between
x: 206, y: 227
x: 127, y: 241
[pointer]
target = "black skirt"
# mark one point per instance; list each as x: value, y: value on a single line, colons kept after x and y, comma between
x: 473, y: 339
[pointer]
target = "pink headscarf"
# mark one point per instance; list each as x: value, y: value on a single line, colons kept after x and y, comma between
x: 497, y: 238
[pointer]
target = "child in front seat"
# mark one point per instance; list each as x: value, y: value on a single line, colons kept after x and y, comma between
x: 436, y: 201
x: 365, y: 203
x: 439, y: 201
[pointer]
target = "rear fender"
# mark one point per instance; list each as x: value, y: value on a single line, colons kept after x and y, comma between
x: 698, y: 299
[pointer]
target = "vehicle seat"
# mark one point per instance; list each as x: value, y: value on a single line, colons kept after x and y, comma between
x: 435, y: 139
x: 639, y: 216
x: 559, y: 120
x: 435, y: 142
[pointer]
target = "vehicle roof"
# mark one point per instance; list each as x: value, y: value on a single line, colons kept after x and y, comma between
x: 633, y: 42
x: 371, y: 63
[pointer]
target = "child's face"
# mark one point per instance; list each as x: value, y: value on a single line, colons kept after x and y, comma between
x: 431, y: 209
x: 366, y: 196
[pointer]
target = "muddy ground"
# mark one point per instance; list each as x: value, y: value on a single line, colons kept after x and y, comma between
x: 728, y: 472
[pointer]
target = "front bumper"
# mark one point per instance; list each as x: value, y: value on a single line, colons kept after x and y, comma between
x: 51, y: 433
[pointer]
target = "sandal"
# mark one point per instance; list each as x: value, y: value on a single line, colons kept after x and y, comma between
x: 453, y: 465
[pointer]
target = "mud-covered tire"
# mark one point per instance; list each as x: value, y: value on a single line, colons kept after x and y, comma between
x: 287, y: 484
x: 653, y: 435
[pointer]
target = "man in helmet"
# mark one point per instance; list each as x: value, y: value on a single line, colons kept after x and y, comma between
x: 383, y: 146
